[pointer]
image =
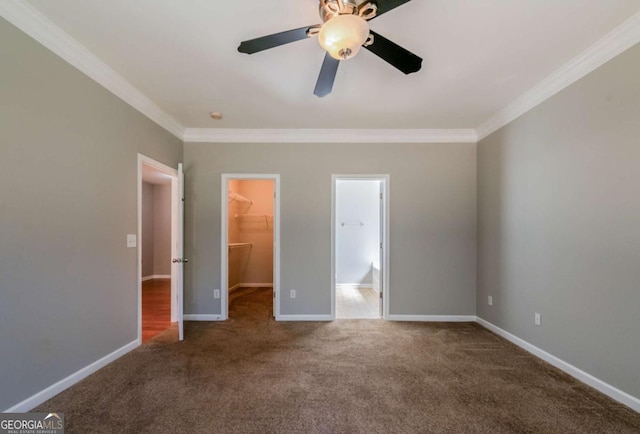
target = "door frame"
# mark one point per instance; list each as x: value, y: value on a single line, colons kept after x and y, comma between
x: 384, y: 263
x: 173, y: 173
x: 224, y: 239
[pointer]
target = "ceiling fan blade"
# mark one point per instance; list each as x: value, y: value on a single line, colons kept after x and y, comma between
x: 394, y: 54
x: 387, y: 5
x: 265, y: 42
x: 327, y: 76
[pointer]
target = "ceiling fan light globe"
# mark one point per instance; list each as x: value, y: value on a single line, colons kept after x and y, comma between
x: 343, y: 34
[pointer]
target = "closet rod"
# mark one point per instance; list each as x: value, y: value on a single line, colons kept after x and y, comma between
x: 239, y: 245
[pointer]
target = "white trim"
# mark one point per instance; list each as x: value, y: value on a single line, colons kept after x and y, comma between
x: 253, y: 285
x: 51, y: 391
x: 433, y: 318
x: 202, y: 317
x: 229, y: 135
x: 39, y: 27
x: 596, y: 383
x: 612, y: 44
x: 250, y: 285
x: 354, y: 285
x: 224, y: 235
x: 385, y: 265
x: 156, y: 276
x: 234, y: 287
x: 304, y: 318
x: 173, y: 173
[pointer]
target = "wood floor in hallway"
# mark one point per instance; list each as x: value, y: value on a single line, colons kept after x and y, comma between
x: 156, y: 307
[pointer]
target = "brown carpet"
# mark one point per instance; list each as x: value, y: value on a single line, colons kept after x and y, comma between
x: 252, y: 374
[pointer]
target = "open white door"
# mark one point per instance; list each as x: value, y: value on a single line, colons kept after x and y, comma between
x: 180, y: 260
x: 381, y: 251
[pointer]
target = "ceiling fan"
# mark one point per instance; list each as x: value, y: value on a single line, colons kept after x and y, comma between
x: 344, y: 30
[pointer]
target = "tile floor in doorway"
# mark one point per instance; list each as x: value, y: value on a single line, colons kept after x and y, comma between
x: 355, y: 302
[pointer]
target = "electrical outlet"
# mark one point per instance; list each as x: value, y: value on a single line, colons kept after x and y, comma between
x: 216, y: 293
x: 490, y: 301
x: 292, y: 293
x: 537, y: 319
x: 132, y: 240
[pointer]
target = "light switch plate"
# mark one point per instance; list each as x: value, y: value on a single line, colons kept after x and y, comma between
x: 131, y: 240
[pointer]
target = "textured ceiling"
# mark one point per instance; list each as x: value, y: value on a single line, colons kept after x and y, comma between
x: 478, y: 57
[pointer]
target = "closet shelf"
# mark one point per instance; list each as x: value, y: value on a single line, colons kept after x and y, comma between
x: 265, y: 219
x: 254, y: 217
x: 239, y: 245
x: 233, y: 196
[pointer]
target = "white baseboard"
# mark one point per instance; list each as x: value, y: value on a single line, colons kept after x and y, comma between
x: 607, y: 389
x: 354, y: 285
x: 433, y: 318
x: 250, y: 285
x: 156, y: 276
x: 202, y: 317
x: 304, y: 318
x: 65, y: 383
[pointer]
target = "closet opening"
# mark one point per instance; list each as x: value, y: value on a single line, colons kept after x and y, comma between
x: 360, y: 237
x: 249, y: 246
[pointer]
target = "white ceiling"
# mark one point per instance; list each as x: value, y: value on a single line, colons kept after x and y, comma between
x: 479, y: 56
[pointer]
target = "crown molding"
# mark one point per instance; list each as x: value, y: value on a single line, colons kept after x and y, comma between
x: 43, y: 30
x: 224, y: 135
x: 612, y: 44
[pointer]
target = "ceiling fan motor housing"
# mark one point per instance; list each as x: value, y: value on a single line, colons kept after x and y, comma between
x: 365, y: 9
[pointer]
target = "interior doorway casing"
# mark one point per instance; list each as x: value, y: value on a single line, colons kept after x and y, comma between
x: 224, y: 239
x: 384, y: 263
x: 143, y: 160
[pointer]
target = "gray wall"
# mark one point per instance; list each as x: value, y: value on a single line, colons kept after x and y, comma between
x: 162, y: 229
x: 147, y: 229
x: 559, y: 224
x: 433, y: 220
x: 68, y: 174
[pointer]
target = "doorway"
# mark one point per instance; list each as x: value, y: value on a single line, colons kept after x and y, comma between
x: 359, y: 239
x: 250, y: 245
x: 158, y: 278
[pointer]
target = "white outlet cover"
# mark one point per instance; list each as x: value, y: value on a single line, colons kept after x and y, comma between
x: 537, y: 319
x: 490, y: 301
x: 216, y: 293
x: 292, y: 293
x: 132, y: 240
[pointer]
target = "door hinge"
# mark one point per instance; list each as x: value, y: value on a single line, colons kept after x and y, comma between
x: 380, y: 196
x: 380, y: 246
x: 380, y: 295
